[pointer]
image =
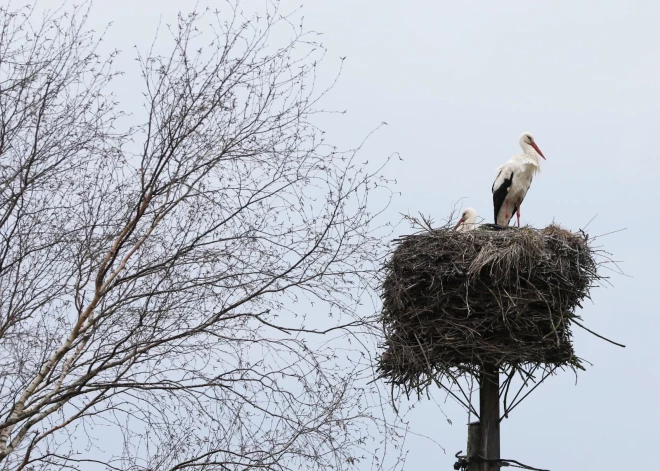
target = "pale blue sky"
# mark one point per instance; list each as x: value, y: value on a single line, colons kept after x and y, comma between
x: 458, y: 82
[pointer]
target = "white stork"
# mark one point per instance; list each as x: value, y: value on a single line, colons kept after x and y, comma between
x: 514, y: 179
x: 468, y: 221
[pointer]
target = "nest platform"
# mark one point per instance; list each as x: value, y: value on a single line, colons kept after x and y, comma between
x: 454, y: 301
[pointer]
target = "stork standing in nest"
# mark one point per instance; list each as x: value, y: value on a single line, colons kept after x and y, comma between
x: 514, y: 179
x: 468, y: 220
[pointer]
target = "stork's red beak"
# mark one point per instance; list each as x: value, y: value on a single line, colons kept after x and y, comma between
x: 461, y: 221
x: 536, y: 148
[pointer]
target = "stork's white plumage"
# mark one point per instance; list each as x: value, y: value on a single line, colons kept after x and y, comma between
x: 468, y: 220
x: 514, y: 179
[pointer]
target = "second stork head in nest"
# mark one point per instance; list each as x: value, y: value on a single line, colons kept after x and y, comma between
x: 514, y: 179
x: 468, y: 220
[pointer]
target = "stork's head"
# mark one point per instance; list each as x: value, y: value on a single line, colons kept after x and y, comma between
x: 527, y: 142
x: 467, y: 220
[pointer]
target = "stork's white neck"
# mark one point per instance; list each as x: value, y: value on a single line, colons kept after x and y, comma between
x: 527, y: 148
x: 530, y: 155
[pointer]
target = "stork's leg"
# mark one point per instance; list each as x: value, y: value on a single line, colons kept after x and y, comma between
x: 506, y: 211
x: 518, y: 212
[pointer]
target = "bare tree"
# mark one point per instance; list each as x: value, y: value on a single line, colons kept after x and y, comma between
x: 168, y: 290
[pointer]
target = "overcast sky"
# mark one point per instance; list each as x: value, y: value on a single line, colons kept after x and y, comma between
x: 457, y: 82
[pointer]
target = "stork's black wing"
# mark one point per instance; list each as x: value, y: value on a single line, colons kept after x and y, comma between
x: 499, y: 193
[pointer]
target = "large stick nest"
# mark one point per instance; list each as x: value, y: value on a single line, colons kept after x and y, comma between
x: 454, y: 301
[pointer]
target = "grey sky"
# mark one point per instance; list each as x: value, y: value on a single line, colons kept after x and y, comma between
x: 458, y: 82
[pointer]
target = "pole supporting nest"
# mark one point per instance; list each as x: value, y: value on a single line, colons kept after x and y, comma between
x: 489, y: 414
x: 483, y: 446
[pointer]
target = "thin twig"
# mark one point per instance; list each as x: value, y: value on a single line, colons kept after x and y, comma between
x: 598, y: 335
